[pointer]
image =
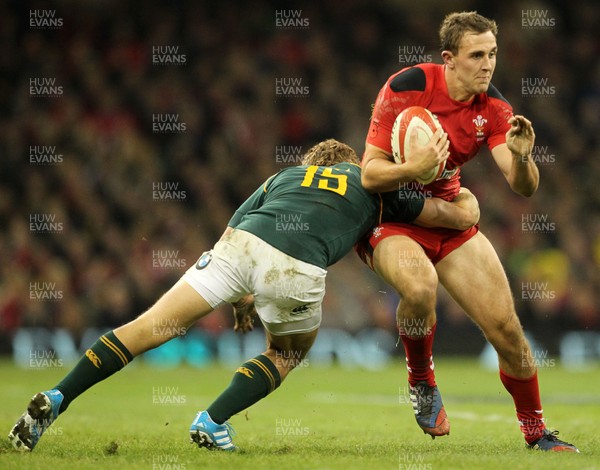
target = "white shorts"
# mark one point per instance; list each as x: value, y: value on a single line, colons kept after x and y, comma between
x: 288, y: 293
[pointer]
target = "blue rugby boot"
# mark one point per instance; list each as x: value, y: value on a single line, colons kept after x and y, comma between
x: 206, y: 433
x: 41, y: 413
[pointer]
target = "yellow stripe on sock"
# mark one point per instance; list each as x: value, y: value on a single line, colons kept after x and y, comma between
x: 115, y: 349
x: 266, y: 371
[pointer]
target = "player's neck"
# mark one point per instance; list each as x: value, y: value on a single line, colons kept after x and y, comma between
x: 455, y: 90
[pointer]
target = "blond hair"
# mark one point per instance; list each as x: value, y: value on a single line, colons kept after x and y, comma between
x: 328, y: 153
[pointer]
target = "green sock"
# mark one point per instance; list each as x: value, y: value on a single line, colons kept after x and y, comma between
x: 106, y: 356
x: 253, y: 380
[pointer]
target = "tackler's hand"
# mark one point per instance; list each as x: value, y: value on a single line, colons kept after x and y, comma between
x: 467, y: 200
x: 244, y: 313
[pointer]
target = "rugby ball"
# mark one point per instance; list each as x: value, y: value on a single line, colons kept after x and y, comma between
x: 425, y: 123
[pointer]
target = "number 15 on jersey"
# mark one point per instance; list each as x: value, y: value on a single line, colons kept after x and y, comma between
x: 325, y: 179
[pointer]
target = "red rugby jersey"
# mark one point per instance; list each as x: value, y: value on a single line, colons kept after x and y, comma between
x: 469, y: 125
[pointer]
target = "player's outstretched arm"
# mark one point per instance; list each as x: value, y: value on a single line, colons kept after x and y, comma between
x: 514, y: 157
x: 460, y: 214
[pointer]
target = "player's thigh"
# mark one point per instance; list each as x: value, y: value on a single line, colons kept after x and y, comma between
x: 288, y: 292
x: 169, y: 317
x: 291, y: 310
x: 473, y: 275
x: 402, y: 263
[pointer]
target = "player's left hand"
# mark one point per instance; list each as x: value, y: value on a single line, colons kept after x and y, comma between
x: 244, y: 313
x: 520, y: 137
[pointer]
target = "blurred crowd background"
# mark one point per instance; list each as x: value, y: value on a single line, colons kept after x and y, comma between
x: 99, y: 265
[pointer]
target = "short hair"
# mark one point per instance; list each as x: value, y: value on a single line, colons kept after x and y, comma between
x: 328, y: 153
x: 456, y: 25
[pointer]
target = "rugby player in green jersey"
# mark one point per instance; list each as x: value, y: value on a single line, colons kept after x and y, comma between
x: 269, y: 262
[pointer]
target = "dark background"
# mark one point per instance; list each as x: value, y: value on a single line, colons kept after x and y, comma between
x: 236, y: 130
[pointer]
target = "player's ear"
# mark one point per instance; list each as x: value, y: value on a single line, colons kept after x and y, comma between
x: 448, y: 58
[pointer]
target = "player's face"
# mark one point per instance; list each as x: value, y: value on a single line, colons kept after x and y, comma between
x: 475, y: 62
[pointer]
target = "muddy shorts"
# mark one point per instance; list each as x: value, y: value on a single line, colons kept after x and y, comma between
x: 288, y: 293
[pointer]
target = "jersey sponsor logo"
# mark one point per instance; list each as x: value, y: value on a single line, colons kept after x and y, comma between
x: 300, y: 309
x: 247, y: 372
x: 447, y: 174
x: 91, y: 355
x: 479, y: 122
x: 204, y: 260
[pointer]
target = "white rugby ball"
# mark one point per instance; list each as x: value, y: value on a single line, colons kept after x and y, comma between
x: 425, y: 123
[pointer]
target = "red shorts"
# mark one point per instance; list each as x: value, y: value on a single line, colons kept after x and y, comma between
x: 437, y: 242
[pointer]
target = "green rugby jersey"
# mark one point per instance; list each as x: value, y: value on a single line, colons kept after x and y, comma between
x: 316, y: 213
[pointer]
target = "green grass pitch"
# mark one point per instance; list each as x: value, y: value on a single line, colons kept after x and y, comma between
x: 320, y: 418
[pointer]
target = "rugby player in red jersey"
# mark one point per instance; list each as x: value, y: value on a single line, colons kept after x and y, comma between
x: 413, y: 259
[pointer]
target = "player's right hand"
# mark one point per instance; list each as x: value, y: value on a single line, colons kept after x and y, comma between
x: 425, y: 158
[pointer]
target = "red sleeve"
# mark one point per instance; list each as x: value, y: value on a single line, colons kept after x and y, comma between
x: 502, y: 112
x: 387, y: 107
